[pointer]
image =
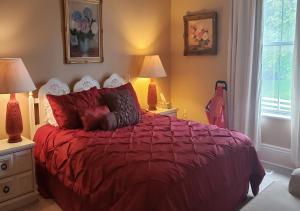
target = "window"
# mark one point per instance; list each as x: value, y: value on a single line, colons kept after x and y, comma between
x: 279, y: 23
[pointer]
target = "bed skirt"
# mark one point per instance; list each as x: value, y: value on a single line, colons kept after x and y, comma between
x: 50, y: 187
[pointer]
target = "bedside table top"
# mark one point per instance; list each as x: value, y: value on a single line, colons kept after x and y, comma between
x: 164, y: 110
x: 6, y: 148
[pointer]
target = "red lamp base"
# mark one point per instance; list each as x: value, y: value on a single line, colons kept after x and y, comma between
x: 14, y: 125
x: 152, y: 96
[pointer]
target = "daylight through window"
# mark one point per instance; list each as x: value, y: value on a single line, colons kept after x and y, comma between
x: 277, y: 57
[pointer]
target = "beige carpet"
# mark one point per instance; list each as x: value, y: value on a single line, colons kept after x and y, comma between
x: 275, y: 198
x: 42, y: 205
x: 270, y: 177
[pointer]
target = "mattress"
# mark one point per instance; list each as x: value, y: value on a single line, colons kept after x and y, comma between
x: 162, y: 163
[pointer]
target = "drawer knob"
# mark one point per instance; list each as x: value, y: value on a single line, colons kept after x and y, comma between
x: 4, y: 166
x: 6, y: 189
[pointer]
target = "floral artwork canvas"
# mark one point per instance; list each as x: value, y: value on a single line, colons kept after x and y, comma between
x: 200, y: 34
x: 83, y: 31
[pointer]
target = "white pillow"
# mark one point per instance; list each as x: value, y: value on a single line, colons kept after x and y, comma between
x: 114, y: 81
x: 86, y: 83
x: 49, y: 113
x: 54, y: 87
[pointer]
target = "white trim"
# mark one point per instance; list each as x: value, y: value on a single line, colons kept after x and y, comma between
x: 34, y: 122
x: 31, y: 114
x: 273, y: 147
x: 275, y: 155
x: 275, y: 116
x: 277, y: 168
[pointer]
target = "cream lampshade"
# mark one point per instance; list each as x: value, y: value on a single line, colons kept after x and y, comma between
x: 152, y: 68
x: 14, y: 78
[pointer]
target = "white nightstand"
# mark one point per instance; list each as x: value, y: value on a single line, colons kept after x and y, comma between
x: 166, y: 111
x: 17, y: 175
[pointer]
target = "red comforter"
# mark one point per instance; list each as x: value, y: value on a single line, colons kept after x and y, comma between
x: 161, y: 164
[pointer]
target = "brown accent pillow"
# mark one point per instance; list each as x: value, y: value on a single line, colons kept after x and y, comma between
x: 91, y: 117
x: 127, y: 86
x: 122, y: 104
x: 109, y: 122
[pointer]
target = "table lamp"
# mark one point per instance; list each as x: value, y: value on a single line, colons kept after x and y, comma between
x: 152, y: 68
x: 14, y: 78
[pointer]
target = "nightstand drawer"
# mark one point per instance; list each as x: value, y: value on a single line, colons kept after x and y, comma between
x: 15, y: 163
x: 6, y: 165
x: 14, y: 186
x: 22, y: 161
x: 25, y: 183
x: 7, y: 188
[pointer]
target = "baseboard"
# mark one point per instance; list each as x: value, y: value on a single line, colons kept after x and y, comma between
x: 276, y: 156
x: 277, y: 168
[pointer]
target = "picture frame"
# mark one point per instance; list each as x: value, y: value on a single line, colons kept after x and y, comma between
x: 83, y: 31
x: 200, y: 34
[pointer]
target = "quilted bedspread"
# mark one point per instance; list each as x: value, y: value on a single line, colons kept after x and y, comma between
x: 162, y: 163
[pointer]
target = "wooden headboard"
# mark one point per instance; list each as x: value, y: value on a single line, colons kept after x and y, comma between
x: 38, y: 106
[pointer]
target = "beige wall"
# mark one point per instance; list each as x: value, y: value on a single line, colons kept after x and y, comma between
x: 31, y: 29
x: 193, y: 77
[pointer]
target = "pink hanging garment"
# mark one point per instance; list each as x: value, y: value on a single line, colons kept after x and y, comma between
x: 215, y: 109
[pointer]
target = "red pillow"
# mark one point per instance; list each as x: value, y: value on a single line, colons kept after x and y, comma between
x: 86, y: 99
x: 64, y: 111
x: 128, y: 87
x: 66, y: 107
x: 91, y: 117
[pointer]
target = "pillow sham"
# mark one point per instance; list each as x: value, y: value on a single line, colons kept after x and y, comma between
x: 123, y: 105
x: 86, y: 99
x: 64, y: 111
x: 66, y: 108
x: 54, y: 87
x: 127, y: 86
x: 91, y: 117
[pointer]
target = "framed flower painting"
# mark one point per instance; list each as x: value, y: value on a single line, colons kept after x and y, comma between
x: 200, y: 34
x: 83, y: 31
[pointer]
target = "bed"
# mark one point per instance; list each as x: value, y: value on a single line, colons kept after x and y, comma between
x: 162, y: 163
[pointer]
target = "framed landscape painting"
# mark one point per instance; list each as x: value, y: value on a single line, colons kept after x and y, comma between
x: 200, y: 34
x: 83, y: 31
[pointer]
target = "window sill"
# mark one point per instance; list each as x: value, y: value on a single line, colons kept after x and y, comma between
x: 276, y: 116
